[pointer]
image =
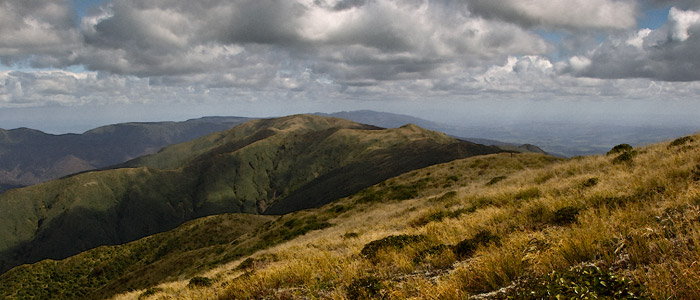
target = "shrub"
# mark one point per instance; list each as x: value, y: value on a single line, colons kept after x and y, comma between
x: 495, y: 180
x: 681, y: 141
x: 453, y: 178
x: 621, y: 148
x: 467, y: 247
x: 368, y: 287
x: 623, y: 158
x: 590, y: 182
x: 580, y: 282
x: 149, y: 292
x: 440, y: 256
x: 566, y: 215
x: 403, y: 192
x: 350, y: 235
x: 397, y: 242
x: 246, y: 264
x: 199, y: 281
x: 370, y: 195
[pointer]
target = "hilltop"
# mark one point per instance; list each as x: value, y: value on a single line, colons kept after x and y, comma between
x: 489, y: 227
x: 28, y: 156
x: 262, y: 166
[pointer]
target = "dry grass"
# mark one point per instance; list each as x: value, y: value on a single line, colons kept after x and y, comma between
x: 640, y: 220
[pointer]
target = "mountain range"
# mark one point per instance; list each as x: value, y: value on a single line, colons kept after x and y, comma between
x: 30, y: 156
x: 264, y: 166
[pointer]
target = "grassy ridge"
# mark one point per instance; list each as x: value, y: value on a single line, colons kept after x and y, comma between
x: 246, y: 169
x: 623, y: 225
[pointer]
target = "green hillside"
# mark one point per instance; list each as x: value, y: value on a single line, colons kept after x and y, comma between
x: 523, y: 226
x: 263, y: 166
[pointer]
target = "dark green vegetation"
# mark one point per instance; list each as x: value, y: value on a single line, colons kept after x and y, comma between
x: 467, y: 247
x: 106, y: 270
x: 579, y: 282
x: 264, y: 166
x: 191, y: 248
x: 369, y: 287
x: 30, y: 156
x: 395, y: 242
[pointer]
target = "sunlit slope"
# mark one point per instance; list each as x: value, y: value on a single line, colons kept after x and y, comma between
x: 204, y: 244
x: 246, y: 169
x: 526, y: 226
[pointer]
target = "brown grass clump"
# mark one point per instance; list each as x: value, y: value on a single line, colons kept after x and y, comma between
x: 591, y: 222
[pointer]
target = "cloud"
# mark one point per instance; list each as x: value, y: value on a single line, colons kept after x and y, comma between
x: 350, y: 42
x: 181, y: 50
x: 558, y: 14
x: 42, y: 32
x: 669, y: 53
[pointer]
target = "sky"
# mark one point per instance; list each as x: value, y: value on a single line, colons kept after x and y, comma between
x: 70, y: 65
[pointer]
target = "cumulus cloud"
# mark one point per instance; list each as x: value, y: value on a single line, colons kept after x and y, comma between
x: 42, y: 31
x: 247, y: 43
x: 157, y: 50
x: 568, y: 14
x: 669, y: 53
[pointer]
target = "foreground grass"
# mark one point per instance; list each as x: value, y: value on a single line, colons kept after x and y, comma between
x: 623, y: 225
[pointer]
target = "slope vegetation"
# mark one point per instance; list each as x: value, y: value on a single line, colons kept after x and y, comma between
x: 263, y: 166
x: 524, y: 226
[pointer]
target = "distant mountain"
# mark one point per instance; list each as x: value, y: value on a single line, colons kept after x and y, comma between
x: 391, y: 120
x: 30, y: 156
x: 270, y: 166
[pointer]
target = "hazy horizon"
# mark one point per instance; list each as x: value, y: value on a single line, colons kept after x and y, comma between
x: 69, y: 66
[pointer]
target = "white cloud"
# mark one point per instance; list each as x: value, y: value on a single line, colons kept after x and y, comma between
x: 669, y: 53
x: 569, y: 14
x: 41, y: 31
x: 682, y: 22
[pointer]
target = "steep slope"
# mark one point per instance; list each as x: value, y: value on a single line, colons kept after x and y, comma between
x: 30, y: 156
x: 282, y: 163
x: 105, y: 270
x: 205, y: 243
x: 525, y: 226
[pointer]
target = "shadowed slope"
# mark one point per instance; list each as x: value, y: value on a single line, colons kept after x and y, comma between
x: 30, y: 156
x: 246, y: 169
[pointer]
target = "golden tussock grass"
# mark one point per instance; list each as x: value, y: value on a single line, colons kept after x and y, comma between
x: 485, y: 223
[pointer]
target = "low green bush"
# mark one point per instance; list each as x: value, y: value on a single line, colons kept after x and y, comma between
x: 396, y: 242
x: 368, y: 287
x: 566, y: 215
x: 580, y: 282
x: 621, y: 148
x: 590, y: 182
x: 199, y: 281
x: 149, y: 292
x: 681, y: 141
x: 467, y: 247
